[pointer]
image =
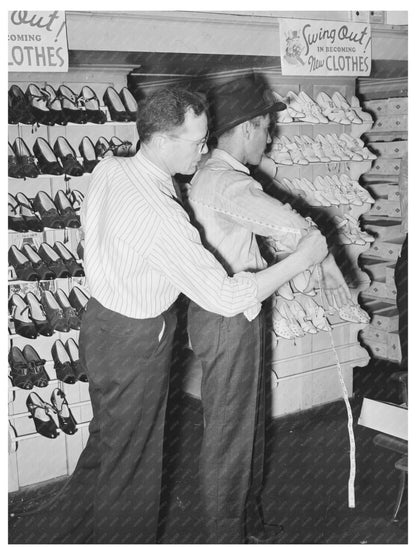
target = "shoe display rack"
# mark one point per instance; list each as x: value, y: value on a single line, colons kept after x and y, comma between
x: 50, y: 164
x: 388, y: 139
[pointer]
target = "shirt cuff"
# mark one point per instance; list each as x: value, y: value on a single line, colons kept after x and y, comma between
x: 250, y: 280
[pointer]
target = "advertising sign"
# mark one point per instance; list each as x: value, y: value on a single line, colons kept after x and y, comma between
x: 312, y: 47
x: 37, y: 41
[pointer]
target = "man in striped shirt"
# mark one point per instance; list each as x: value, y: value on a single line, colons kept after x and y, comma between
x: 141, y: 252
x: 229, y: 208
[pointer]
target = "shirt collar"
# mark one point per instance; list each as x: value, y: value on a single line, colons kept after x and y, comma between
x: 218, y: 153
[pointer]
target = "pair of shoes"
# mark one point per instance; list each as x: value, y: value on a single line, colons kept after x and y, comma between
x: 113, y: 147
x: 28, y: 265
x: 307, y: 190
x: 29, y: 316
x: 303, y: 104
x: 27, y: 369
x: 122, y: 106
x: 291, y: 319
x: 56, y: 214
x: 336, y: 109
x: 61, y: 315
x: 21, y: 162
x: 59, y: 160
x: 21, y: 216
x: 42, y: 414
x: 19, y: 107
x: 350, y: 232
x: 351, y: 188
x: 66, y: 362
x: 78, y: 299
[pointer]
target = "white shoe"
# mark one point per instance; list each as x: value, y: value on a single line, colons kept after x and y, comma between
x: 355, y: 105
x: 330, y: 110
x: 332, y: 182
x: 279, y: 153
x: 312, y: 107
x: 294, y: 151
x: 317, y: 149
x: 306, y: 149
x: 341, y: 103
x: 297, y: 104
x: 327, y: 148
x: 321, y: 185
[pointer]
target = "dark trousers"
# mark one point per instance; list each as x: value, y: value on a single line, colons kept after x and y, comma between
x: 113, y: 495
x: 232, y: 456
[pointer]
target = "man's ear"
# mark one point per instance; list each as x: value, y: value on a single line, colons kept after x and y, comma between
x: 159, y: 141
x: 247, y: 129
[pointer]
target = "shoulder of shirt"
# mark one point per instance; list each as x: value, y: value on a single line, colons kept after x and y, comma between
x: 210, y: 181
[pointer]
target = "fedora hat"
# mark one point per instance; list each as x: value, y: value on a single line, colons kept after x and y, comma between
x: 240, y: 100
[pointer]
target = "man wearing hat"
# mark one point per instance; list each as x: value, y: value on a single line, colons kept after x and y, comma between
x: 229, y: 208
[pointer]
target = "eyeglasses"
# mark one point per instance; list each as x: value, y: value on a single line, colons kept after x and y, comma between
x: 200, y: 144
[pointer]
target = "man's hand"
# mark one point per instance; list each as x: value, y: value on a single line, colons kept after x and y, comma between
x: 312, y: 247
x: 268, y: 166
x: 333, y: 284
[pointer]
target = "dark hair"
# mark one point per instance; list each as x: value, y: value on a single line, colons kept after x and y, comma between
x: 165, y: 110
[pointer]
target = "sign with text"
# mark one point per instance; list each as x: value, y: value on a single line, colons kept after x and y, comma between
x: 312, y: 47
x: 37, y: 41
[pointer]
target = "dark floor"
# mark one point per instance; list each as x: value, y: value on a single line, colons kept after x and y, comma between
x: 305, y: 487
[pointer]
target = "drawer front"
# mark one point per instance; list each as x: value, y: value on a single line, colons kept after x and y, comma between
x: 391, y: 123
x: 373, y: 333
x: 391, y: 291
x: 386, y: 322
x: 394, y: 149
x: 378, y: 349
x: 393, y: 346
x: 378, y: 107
x: 386, y: 208
x: 385, y: 166
x: 387, y: 251
x: 377, y: 289
x: 397, y: 105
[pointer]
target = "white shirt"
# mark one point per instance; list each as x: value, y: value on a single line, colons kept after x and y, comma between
x: 141, y: 250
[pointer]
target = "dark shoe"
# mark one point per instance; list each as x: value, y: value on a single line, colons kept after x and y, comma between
x: 64, y: 151
x: 66, y: 210
x: 119, y: 147
x: 73, y: 110
x: 66, y: 420
x: 86, y: 149
x: 92, y: 105
x: 39, y: 266
x: 20, y: 314
x: 38, y: 315
x: 19, y: 369
x: 38, y: 104
x: 14, y: 168
x: 76, y: 199
x: 19, y: 107
x: 55, y: 105
x: 37, y: 371
x: 41, y: 413
x: 80, y: 249
x: 270, y: 534
x: 62, y: 363
x: 53, y: 261
x: 26, y: 209
x: 25, y: 158
x: 102, y: 148
x: 43, y: 204
x: 73, y: 351
x: 56, y: 317
x: 22, y: 266
x: 15, y: 218
x: 78, y: 300
x: 69, y: 311
x: 69, y: 260
x: 129, y: 103
x: 115, y: 105
x: 48, y: 162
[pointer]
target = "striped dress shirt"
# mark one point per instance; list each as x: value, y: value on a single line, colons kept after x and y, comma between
x: 141, y: 250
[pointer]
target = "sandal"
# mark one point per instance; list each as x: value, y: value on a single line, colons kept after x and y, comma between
x: 40, y: 412
x: 67, y: 422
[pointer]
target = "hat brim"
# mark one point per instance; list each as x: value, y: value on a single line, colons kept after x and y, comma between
x: 276, y: 107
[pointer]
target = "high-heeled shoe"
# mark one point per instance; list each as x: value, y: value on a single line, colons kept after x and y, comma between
x: 312, y: 107
x: 73, y: 110
x: 294, y: 151
x: 73, y: 352
x: 341, y: 103
x: 68, y: 310
x: 279, y: 153
x: 330, y: 110
x: 70, y: 262
x: 54, y: 313
x: 102, y: 148
x: 19, y: 108
x: 306, y: 149
x: 25, y: 158
x: 44, y: 205
x: 78, y: 300
x: 81, y: 249
x: 22, y: 266
x: 37, y: 372
x: 316, y: 148
x: 41, y: 413
x: 87, y: 151
x: 38, y: 103
x: 119, y: 147
x: 48, y: 162
x: 19, y: 369
x: 321, y: 185
x: 38, y: 264
x: 293, y: 101
x: 115, y: 105
x: 66, y: 210
x: 130, y: 103
x: 62, y: 363
x: 76, y: 198
x: 19, y: 312
x: 92, y: 105
x: 53, y: 261
x: 15, y: 218
x: 38, y: 315
x: 64, y: 151
x: 66, y: 419
x: 54, y: 104
x: 14, y: 168
x: 280, y: 325
x: 26, y: 210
